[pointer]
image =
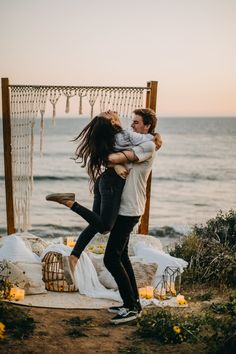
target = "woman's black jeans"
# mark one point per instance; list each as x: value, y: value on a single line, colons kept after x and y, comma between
x: 107, y: 195
x: 116, y: 260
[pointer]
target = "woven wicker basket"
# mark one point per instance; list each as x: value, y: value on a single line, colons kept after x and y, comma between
x: 53, y: 273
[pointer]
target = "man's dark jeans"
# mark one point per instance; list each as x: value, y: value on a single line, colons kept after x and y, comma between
x: 107, y: 195
x: 116, y: 259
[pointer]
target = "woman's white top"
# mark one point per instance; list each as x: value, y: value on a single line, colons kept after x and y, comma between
x: 126, y: 140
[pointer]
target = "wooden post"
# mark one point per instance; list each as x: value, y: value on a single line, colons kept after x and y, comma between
x: 6, y: 121
x: 151, y: 101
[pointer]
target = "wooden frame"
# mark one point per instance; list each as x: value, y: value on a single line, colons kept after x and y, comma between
x: 151, y: 100
x: 6, y: 122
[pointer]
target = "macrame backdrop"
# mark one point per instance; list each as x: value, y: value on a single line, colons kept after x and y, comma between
x: 27, y: 102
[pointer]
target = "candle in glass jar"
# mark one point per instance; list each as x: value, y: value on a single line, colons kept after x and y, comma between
x: 149, y: 292
x: 142, y: 292
x: 17, y: 294
x: 181, y: 300
x: 70, y: 241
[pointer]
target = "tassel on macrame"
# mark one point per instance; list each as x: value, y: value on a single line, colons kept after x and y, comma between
x: 53, y: 98
x: 68, y: 95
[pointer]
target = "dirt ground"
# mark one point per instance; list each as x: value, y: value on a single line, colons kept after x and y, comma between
x: 97, y: 336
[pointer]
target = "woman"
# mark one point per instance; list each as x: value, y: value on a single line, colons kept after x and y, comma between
x: 102, y: 136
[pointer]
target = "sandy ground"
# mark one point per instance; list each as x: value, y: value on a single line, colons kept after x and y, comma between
x: 99, y: 336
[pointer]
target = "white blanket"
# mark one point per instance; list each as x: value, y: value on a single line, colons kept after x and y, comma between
x: 86, y: 278
x: 149, y: 254
x: 17, y: 249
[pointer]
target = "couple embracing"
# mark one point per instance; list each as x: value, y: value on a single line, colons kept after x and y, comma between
x: 118, y: 163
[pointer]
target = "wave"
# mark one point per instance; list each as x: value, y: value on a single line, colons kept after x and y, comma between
x: 56, y: 178
x: 52, y: 231
x: 165, y: 231
x: 187, y: 178
x: 60, y: 178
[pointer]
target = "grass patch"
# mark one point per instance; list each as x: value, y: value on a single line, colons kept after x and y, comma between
x: 78, y: 326
x: 202, y: 297
x: 132, y: 350
x: 169, y: 328
x: 77, y: 321
x: 75, y: 333
x: 213, y: 329
x: 18, y: 322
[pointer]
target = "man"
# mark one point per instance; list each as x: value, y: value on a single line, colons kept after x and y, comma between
x: 132, y: 206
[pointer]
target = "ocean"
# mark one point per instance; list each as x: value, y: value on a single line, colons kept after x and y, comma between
x: 194, y: 176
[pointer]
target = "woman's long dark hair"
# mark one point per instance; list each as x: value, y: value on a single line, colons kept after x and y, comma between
x: 96, y: 142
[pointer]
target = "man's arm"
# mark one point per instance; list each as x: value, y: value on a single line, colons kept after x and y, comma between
x: 133, y: 155
x: 139, y: 153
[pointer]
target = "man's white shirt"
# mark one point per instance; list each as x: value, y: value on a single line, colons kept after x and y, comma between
x: 133, y: 197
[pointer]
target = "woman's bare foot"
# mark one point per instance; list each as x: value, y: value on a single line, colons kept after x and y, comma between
x: 69, y: 264
x: 69, y: 203
x: 73, y: 261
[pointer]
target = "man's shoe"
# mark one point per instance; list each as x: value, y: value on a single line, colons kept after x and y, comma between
x: 115, y: 309
x: 125, y: 315
x: 138, y: 306
x: 68, y: 274
x: 61, y: 198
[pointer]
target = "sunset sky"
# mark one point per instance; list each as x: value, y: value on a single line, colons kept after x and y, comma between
x: 189, y: 46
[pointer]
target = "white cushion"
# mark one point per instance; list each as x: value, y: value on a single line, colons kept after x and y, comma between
x: 27, y: 276
x: 14, y: 248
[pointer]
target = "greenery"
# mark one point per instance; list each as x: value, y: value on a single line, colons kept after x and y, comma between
x: 78, y: 326
x: 210, y: 251
x: 202, y: 297
x: 14, y: 322
x: 133, y: 350
x: 223, y: 326
x: 167, y: 327
x: 17, y: 322
x: 214, y: 329
x: 5, y: 284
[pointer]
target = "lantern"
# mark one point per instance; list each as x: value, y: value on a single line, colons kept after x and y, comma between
x: 169, y: 285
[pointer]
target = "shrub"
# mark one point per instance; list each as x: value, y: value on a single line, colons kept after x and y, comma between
x: 166, y: 327
x: 223, y: 339
x: 221, y: 229
x: 210, y: 251
x: 214, y: 329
